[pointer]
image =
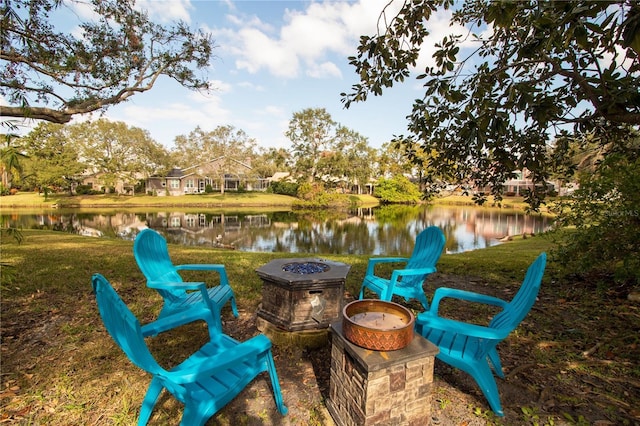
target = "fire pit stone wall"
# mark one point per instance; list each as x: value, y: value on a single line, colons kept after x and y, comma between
x: 302, y: 293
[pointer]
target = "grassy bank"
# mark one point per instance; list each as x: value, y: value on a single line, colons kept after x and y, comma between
x: 250, y: 199
x: 59, y: 366
x: 34, y: 201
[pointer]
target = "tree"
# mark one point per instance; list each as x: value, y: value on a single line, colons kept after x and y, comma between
x: 226, y: 142
x: 270, y: 160
x: 53, y: 161
x: 354, y: 156
x: 118, y: 152
x: 53, y: 75
x: 312, y: 133
x: 539, y: 69
x: 11, y: 161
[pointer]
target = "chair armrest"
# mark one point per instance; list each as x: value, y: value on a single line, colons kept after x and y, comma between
x: 201, y: 267
x: 469, y: 296
x: 177, y: 285
x: 428, y: 320
x: 221, y: 361
x: 169, y: 322
x: 224, y: 280
x: 408, y: 272
x: 398, y: 273
x: 375, y: 260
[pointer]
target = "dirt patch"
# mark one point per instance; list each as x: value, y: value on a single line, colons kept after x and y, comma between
x: 573, y: 361
x: 543, y: 385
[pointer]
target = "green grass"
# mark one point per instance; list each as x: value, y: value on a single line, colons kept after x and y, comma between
x: 59, y: 365
x: 31, y: 200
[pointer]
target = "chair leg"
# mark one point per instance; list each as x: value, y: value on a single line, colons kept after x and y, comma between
x: 275, y: 384
x: 481, y: 373
x: 194, y: 415
x: 423, y: 300
x: 495, y: 362
x: 234, y: 308
x: 149, y: 402
x: 361, y: 295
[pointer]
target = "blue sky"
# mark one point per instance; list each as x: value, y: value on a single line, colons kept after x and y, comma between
x: 274, y: 58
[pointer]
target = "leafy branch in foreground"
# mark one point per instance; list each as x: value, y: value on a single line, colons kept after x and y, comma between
x: 51, y: 74
x: 536, y: 71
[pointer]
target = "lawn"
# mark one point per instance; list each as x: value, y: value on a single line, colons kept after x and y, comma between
x: 574, y: 360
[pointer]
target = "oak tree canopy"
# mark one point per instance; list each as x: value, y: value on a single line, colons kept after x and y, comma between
x: 51, y: 75
x: 517, y: 80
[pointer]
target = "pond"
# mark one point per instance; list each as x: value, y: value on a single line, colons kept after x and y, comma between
x: 385, y: 230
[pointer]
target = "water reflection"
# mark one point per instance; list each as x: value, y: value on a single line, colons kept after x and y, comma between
x: 388, y: 230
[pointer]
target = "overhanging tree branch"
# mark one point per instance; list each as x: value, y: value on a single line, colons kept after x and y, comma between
x: 53, y: 76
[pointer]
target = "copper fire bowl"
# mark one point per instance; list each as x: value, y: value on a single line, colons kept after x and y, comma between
x: 377, y: 324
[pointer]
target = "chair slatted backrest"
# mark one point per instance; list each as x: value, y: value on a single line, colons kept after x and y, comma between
x: 122, y: 325
x: 524, y: 299
x: 426, y: 252
x: 152, y: 255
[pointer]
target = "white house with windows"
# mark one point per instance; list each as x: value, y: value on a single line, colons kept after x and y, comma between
x: 220, y: 174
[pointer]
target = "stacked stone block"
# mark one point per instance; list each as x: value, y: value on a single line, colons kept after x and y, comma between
x: 380, y: 388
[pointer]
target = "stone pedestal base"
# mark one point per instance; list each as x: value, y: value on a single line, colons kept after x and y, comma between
x: 373, y: 387
x: 309, y: 339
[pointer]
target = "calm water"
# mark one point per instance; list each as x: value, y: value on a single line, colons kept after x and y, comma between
x: 388, y: 230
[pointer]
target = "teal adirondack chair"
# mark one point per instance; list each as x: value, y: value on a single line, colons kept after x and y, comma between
x: 182, y: 301
x: 206, y: 381
x: 472, y: 347
x: 407, y: 282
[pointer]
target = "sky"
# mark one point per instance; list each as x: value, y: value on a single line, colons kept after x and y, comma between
x: 273, y: 59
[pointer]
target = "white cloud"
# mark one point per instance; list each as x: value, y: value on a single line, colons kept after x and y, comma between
x: 257, y: 50
x: 166, y: 10
x: 219, y: 86
x: 251, y: 86
x: 324, y: 70
x: 306, y: 39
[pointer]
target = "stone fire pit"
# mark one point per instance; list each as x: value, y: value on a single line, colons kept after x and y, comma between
x: 302, y: 293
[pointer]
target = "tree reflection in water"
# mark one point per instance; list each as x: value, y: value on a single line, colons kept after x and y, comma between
x: 386, y: 230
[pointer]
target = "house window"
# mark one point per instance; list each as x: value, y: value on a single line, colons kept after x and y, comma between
x: 174, y: 184
x: 189, y: 184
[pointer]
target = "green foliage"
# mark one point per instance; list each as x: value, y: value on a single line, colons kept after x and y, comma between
x: 314, y: 196
x: 323, y: 150
x: 199, y: 146
x: 284, y: 188
x: 605, y: 211
x: 118, y: 52
x: 86, y: 190
x: 397, y: 190
x: 490, y: 111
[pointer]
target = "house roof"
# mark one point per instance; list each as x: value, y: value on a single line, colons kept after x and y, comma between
x: 195, y: 167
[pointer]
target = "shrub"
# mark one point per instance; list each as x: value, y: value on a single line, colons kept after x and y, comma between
x: 605, y: 211
x: 284, y: 188
x: 86, y: 190
x: 397, y: 190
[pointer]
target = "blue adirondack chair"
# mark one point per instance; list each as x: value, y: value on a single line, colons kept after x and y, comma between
x: 407, y: 282
x: 182, y: 301
x: 204, y: 382
x: 472, y: 347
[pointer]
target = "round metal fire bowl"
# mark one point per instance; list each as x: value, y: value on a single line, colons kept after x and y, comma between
x: 380, y: 337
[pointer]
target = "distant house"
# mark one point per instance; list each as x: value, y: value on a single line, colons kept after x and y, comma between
x: 518, y: 185
x: 521, y: 183
x: 221, y: 174
x: 120, y: 184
